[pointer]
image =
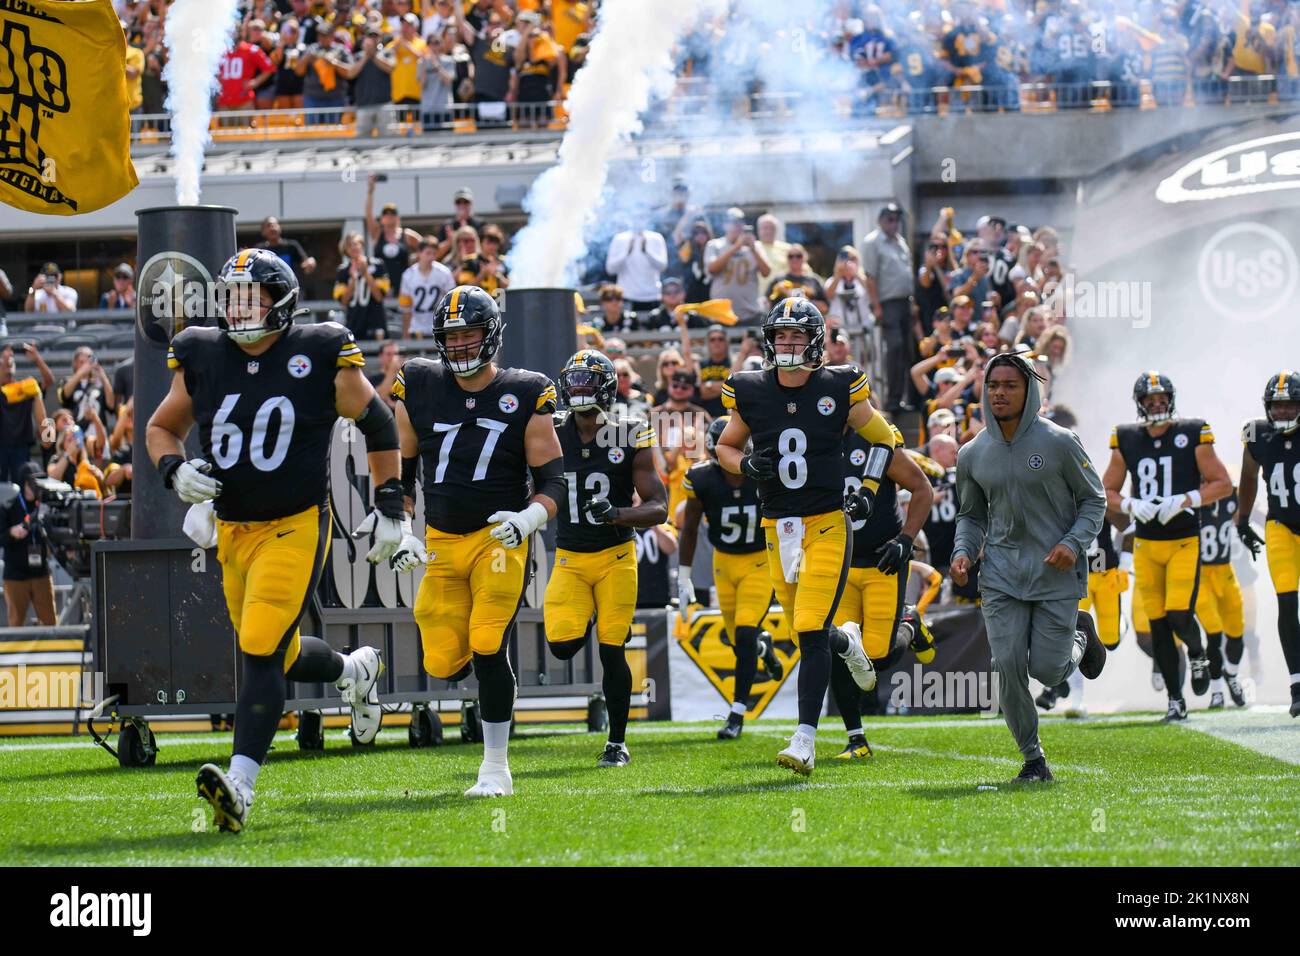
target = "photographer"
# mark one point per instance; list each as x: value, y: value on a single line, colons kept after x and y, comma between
x: 87, y: 392
x: 77, y: 459
x: 847, y: 291
x: 48, y: 294
x: 27, y: 580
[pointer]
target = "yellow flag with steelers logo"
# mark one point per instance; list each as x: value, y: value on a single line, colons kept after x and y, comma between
x: 65, y: 143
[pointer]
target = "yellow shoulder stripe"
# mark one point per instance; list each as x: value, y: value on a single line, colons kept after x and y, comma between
x: 1114, y: 437
x: 173, y: 362
x: 546, y: 397
x: 399, y: 386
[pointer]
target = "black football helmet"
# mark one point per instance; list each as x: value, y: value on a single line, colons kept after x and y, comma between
x: 1153, y: 383
x: 588, y: 380
x: 467, y: 307
x: 245, y: 275
x: 1283, y: 387
x: 798, y: 313
x: 716, y: 428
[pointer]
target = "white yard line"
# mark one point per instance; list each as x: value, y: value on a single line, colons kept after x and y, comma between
x: 1272, y: 732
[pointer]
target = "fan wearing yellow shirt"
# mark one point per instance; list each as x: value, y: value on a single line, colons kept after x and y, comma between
x: 401, y: 60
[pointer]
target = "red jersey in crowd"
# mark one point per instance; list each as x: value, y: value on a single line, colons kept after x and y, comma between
x: 245, y: 62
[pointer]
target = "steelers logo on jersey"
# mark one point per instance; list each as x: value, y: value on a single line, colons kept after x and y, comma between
x: 508, y: 403
x: 1180, y: 441
x: 857, y: 457
x: 300, y: 366
x: 826, y: 405
x: 616, y: 455
x: 1035, y: 462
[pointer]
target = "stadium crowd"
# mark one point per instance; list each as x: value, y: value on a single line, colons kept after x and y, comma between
x: 508, y: 61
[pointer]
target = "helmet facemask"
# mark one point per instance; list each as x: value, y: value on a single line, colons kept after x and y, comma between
x: 246, y: 314
x: 1285, y: 425
x: 583, y: 389
x: 784, y: 356
x: 1156, y: 418
x: 464, y: 359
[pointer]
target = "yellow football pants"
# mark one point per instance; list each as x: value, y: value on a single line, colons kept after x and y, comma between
x: 874, y: 600
x: 1166, y: 573
x: 810, y: 604
x: 269, y: 570
x: 1218, y: 601
x: 1283, y: 548
x: 468, y: 597
x: 1104, y: 590
x: 744, y: 589
x: 583, y: 582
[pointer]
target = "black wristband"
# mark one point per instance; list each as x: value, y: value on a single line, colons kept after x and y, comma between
x: 409, y: 466
x: 388, y: 499
x: 167, y: 466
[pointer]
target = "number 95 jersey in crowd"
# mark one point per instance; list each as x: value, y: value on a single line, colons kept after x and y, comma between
x: 806, y: 427
x: 472, y: 454
x: 1163, y: 467
x: 265, y: 421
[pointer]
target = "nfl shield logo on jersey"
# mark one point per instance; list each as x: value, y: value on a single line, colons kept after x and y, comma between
x: 825, y: 404
x: 469, y: 402
x: 300, y: 366
x: 790, y: 408
x: 253, y: 367
x: 508, y: 403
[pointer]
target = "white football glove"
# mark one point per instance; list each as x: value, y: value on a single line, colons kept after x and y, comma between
x: 1171, y: 508
x: 685, y: 592
x: 201, y: 525
x: 1143, y: 511
x: 515, y: 526
x: 193, y: 482
x: 1126, y: 561
x: 410, y: 553
x: 387, y: 532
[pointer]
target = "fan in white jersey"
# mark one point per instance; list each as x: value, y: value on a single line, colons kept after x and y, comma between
x: 424, y: 283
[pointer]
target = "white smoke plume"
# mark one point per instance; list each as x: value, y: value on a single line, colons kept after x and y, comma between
x: 630, y: 62
x: 198, y: 33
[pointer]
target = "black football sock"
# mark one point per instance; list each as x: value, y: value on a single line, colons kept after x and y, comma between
x: 746, y: 642
x: 839, y: 641
x: 1188, y: 631
x: 1214, y: 648
x: 848, y: 698
x: 814, y: 673
x: 617, y: 685
x: 1288, y: 629
x: 566, y: 650
x: 260, y: 706
x: 1233, y: 650
x: 496, y: 686
x: 1144, y: 642
x: 1166, y: 654
x: 317, y: 663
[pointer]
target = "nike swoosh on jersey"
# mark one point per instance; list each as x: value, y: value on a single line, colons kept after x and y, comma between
x: 281, y: 534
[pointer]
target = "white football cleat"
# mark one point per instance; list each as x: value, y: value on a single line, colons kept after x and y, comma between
x: 362, y: 695
x: 799, y: 755
x: 860, y: 667
x: 230, y: 796
x: 1157, y: 678
x: 492, y: 782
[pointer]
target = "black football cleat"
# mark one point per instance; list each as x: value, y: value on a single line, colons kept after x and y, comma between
x: 733, y: 728
x: 1047, y: 699
x: 1295, y: 700
x: 1200, y: 667
x: 857, y: 748
x: 1094, y: 651
x: 1177, y: 711
x: 767, y: 651
x: 1234, y: 689
x: 1034, y: 771
x: 615, y: 755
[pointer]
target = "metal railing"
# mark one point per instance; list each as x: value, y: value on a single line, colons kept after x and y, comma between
x: 399, y: 121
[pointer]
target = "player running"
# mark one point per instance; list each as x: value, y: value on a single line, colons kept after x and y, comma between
x: 476, y: 432
x: 1272, y: 444
x: 796, y: 412
x: 1173, y: 471
x: 1218, y: 600
x: 266, y: 394
x: 606, y: 461
x: 729, y: 503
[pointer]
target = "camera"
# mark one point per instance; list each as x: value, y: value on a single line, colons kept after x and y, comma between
x: 381, y: 177
x: 68, y: 521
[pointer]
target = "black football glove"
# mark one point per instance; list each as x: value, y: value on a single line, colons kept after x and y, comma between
x: 600, y: 510
x: 760, y: 465
x: 1250, y: 538
x: 859, y: 504
x: 895, y: 555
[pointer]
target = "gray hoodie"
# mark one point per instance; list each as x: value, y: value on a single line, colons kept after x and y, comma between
x: 1021, y: 498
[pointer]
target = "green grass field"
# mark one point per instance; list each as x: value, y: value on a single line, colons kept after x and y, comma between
x: 1128, y: 791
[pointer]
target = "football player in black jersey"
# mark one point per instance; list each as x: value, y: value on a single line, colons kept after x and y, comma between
x: 606, y: 460
x: 729, y: 503
x: 476, y: 432
x: 1272, y: 444
x: 1173, y: 471
x: 796, y: 411
x: 875, y: 594
x: 266, y: 394
x: 1218, y: 600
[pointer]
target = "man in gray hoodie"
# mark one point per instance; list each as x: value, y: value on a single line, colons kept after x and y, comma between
x: 1031, y: 504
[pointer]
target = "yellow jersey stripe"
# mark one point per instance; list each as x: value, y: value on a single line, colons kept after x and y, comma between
x: 1114, y: 437
x: 860, y: 382
x: 547, y: 396
x: 1207, y: 435
x: 728, y: 396
x: 172, y: 362
x: 399, y: 386
x: 352, y: 359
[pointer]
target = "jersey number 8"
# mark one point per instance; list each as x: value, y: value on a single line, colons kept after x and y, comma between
x: 792, y: 468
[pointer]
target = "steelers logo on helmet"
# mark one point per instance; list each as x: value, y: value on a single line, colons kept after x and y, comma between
x: 1282, y: 400
x: 256, y: 295
x: 467, y: 329
x: 588, y: 381
x: 1148, y: 385
x: 797, y: 314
